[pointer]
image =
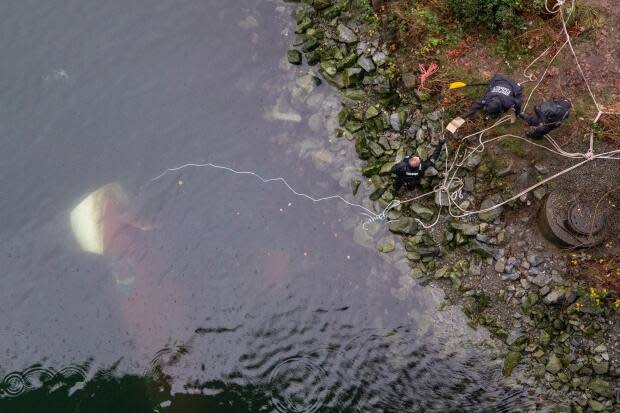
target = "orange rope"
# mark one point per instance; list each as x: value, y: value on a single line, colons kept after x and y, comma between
x: 426, y: 73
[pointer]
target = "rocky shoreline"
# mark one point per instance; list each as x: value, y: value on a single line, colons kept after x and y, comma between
x: 558, y: 336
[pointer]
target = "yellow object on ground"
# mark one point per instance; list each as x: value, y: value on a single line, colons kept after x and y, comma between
x: 457, y: 85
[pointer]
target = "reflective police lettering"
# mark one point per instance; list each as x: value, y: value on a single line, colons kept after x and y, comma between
x: 501, y: 90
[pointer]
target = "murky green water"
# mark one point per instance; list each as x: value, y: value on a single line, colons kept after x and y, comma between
x: 213, y: 292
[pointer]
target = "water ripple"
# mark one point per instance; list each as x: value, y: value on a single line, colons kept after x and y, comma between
x: 298, y: 384
x: 17, y: 383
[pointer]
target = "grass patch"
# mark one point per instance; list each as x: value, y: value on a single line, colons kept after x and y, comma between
x: 514, y: 145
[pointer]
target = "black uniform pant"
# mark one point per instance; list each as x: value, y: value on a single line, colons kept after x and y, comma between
x: 542, y: 129
x: 400, y: 181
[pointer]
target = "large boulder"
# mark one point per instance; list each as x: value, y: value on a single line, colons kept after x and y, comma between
x: 404, y: 226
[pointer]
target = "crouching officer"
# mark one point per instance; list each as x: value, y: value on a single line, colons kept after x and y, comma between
x: 547, y: 117
x: 410, y: 170
x: 502, y: 95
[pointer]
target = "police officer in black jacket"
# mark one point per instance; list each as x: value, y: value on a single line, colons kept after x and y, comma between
x: 502, y: 94
x: 547, y: 117
x: 410, y: 170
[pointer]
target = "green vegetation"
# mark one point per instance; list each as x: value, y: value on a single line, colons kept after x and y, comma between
x: 364, y: 7
x: 492, y: 14
x: 515, y: 146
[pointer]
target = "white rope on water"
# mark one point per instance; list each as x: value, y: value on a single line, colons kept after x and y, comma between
x: 368, y: 212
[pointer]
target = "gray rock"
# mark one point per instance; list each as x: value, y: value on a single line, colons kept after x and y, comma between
x: 299, y: 39
x: 600, y: 387
x: 511, y: 277
x: 542, y: 169
x: 375, y: 148
x: 510, y: 264
x: 473, y: 161
x: 535, y: 260
x: 481, y: 249
x: 539, y: 193
x: 466, y: 229
x: 601, y: 348
x: 310, y: 44
x: 361, y: 48
x: 554, y: 297
x: 601, y: 367
x: 541, y: 280
x: 514, y: 336
x: 372, y: 112
x: 346, y: 35
x: 441, y: 198
x: 379, y: 58
x: 386, y: 245
x: 366, y: 63
x: 405, y: 226
x: 596, y: 406
x: 533, y: 271
x: 475, y: 267
x: 419, y: 135
x: 355, y: 185
x: 506, y: 171
x: 421, y: 211
x: 381, y: 85
x: 322, y: 4
x: 395, y: 122
x: 430, y: 172
x: 554, y: 365
x: 489, y: 202
x: 512, y: 360
x: 545, y: 290
x: 469, y: 183
x: 500, y: 265
x: 352, y: 76
x: 294, y: 57
x: 410, y: 80
x: 303, y: 11
x: 434, y: 116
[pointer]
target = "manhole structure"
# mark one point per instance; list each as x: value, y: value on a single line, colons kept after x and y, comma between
x: 573, y: 220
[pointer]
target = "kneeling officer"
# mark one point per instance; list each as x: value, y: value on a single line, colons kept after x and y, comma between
x: 548, y: 116
x: 410, y: 170
x: 502, y: 94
